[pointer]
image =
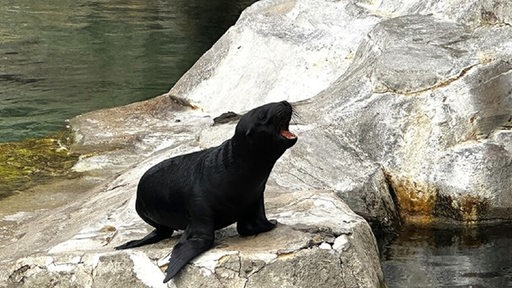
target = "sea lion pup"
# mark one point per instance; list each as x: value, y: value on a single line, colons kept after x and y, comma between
x: 210, y: 189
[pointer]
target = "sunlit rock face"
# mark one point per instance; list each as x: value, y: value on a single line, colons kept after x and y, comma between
x: 278, y: 50
x: 406, y: 103
x: 430, y: 101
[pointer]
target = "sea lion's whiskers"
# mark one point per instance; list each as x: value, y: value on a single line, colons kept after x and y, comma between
x: 296, y: 118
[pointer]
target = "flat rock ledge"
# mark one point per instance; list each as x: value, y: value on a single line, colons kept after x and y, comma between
x: 319, y: 242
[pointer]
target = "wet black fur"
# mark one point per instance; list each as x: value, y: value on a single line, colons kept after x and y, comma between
x: 213, y: 188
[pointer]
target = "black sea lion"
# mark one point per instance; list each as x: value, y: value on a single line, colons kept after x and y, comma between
x: 213, y: 188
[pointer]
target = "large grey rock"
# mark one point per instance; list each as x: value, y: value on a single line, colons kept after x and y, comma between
x: 279, y: 49
x: 292, y: 50
x: 326, y: 159
x: 111, y: 140
x: 411, y: 100
x: 318, y: 242
x: 425, y: 99
x: 73, y: 245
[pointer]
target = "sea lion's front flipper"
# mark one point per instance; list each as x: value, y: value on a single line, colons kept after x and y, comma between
x: 254, y: 220
x: 185, y: 251
x: 153, y: 237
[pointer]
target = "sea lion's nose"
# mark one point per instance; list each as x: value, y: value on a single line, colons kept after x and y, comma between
x: 285, y: 103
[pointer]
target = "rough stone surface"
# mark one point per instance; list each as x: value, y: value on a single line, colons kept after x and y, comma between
x: 316, y: 230
x: 411, y: 102
x: 73, y: 245
x: 111, y: 140
x: 278, y: 50
x: 433, y: 135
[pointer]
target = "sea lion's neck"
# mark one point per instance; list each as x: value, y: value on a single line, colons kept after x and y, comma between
x: 250, y: 153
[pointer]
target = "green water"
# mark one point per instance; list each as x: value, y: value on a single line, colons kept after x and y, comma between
x: 61, y: 58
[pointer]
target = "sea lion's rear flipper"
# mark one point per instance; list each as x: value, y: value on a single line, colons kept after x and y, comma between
x: 153, y: 237
x: 185, y: 251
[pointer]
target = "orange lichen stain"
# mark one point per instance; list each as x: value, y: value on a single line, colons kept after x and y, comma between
x: 423, y: 204
x: 415, y: 200
x: 472, y: 208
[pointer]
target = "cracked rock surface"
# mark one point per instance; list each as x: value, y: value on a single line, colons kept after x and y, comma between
x: 319, y: 241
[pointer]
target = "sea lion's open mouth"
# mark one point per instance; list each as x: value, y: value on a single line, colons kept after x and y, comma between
x: 287, y: 134
x: 284, y: 130
x: 285, y: 115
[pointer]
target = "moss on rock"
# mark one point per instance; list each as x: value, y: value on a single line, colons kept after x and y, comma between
x: 33, y: 161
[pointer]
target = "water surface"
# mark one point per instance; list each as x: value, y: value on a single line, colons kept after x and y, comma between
x: 474, y: 257
x: 61, y: 58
